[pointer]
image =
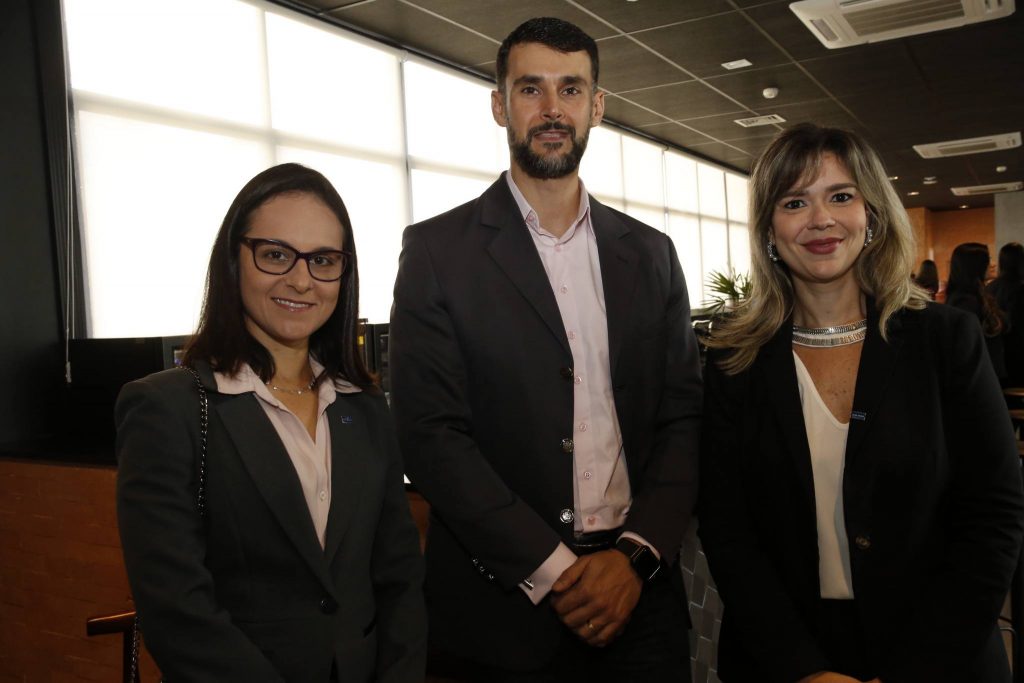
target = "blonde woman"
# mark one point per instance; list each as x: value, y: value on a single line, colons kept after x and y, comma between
x: 861, y: 503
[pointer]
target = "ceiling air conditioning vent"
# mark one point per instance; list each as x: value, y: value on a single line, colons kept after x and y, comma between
x: 953, y: 148
x: 842, y: 23
x: 760, y: 120
x: 986, y: 189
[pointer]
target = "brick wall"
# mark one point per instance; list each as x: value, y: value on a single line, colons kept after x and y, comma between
x: 60, y: 563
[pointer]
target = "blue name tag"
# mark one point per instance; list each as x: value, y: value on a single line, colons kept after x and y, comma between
x: 346, y: 419
x: 859, y: 415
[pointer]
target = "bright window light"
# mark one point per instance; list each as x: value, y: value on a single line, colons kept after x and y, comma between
x: 711, y: 185
x: 434, y: 193
x: 684, y: 229
x: 601, y: 168
x: 681, y: 183
x: 642, y: 172
x: 374, y: 194
x: 714, y: 245
x: 449, y: 121
x: 739, y: 247
x: 202, y: 57
x: 736, y: 192
x: 652, y: 216
x: 329, y: 88
x: 153, y: 198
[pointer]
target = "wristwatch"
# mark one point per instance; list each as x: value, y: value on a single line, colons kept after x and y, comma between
x: 644, y: 561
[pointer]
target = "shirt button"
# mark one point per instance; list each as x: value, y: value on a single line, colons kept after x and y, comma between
x: 863, y: 542
x: 583, y: 426
x: 578, y: 380
x: 590, y: 520
x: 563, y: 289
x: 566, y: 516
x: 323, y: 495
x: 587, y: 475
x: 558, y: 247
x: 572, y: 335
x: 567, y: 445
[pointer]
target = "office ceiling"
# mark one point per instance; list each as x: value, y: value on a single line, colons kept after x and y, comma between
x: 661, y: 65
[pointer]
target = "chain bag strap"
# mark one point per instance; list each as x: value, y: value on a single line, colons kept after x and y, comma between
x: 204, y: 421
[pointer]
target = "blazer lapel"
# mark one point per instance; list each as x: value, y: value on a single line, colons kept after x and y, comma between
x: 268, y: 464
x: 779, y: 369
x: 514, y: 252
x: 877, y: 368
x: 350, y: 440
x: 618, y: 274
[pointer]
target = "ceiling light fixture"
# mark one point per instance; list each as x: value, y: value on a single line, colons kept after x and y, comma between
x: 1000, y: 169
x: 913, y: 193
x: 894, y: 178
x: 964, y: 206
x: 737, y: 64
x: 930, y: 180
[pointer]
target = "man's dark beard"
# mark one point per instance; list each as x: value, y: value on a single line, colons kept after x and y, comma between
x: 547, y: 168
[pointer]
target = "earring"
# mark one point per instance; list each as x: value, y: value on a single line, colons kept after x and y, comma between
x: 773, y: 253
x: 869, y: 235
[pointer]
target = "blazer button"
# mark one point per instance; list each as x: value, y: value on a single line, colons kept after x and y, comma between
x: 567, y: 445
x: 566, y: 373
x: 566, y: 516
x: 863, y: 542
x: 328, y: 606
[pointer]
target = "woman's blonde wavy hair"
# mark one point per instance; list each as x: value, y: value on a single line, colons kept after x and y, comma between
x: 882, y: 270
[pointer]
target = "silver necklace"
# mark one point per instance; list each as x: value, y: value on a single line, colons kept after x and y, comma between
x: 295, y: 392
x: 837, y: 335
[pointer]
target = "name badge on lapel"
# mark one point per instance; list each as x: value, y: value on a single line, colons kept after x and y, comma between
x: 859, y: 415
x: 346, y: 419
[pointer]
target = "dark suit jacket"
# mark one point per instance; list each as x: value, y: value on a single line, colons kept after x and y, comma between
x: 247, y: 593
x: 932, y: 502
x: 483, y: 396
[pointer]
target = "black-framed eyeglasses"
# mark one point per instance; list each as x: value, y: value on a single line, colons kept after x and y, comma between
x: 275, y: 257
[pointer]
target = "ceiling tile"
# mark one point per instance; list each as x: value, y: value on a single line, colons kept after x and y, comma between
x: 636, y: 16
x: 850, y: 73
x: 628, y: 66
x: 680, y: 134
x: 702, y: 46
x: 746, y: 86
x: 497, y: 23
x: 622, y: 111
x: 825, y: 112
x: 778, y: 21
x: 419, y: 30
x: 683, y: 100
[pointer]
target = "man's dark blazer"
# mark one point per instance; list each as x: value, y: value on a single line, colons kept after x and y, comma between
x: 932, y: 501
x: 482, y: 389
x: 247, y: 593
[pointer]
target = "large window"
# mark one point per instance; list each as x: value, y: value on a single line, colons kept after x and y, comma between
x: 178, y: 104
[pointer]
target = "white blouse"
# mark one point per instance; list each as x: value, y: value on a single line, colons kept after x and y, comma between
x: 826, y: 439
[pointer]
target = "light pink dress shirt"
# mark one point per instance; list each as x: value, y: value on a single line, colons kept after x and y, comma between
x: 601, y: 492
x: 310, y: 457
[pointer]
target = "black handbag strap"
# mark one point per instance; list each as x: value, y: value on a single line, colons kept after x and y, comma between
x: 204, y: 422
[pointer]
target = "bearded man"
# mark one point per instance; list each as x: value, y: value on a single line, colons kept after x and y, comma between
x: 546, y: 385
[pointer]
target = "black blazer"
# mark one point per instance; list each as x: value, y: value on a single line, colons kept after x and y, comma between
x: 247, y: 593
x: 481, y: 378
x: 932, y: 502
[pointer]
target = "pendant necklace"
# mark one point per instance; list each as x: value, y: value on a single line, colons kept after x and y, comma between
x: 294, y: 392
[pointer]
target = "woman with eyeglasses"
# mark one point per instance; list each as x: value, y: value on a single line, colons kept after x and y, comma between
x: 861, y: 505
x: 263, y: 516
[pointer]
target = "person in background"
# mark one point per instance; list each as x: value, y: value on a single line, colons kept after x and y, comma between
x: 301, y: 561
x: 968, y: 270
x: 1006, y: 289
x: 546, y: 387
x: 861, y: 505
x: 928, y: 278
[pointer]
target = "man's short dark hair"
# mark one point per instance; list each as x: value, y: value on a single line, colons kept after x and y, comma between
x: 556, y: 34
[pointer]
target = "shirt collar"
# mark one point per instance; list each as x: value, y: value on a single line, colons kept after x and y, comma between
x: 247, y: 381
x: 532, y: 220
